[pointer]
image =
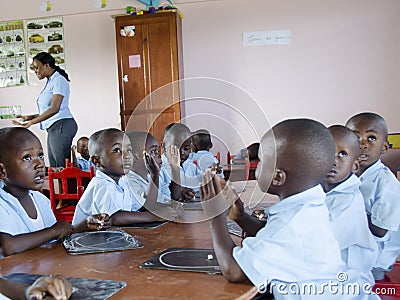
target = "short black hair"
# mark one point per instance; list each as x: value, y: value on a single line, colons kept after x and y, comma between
x: 342, y: 130
x: 306, y: 147
x: 96, y: 140
x: 173, y: 129
x: 372, y: 117
x: 13, y: 137
x: 138, y: 141
x: 201, y: 139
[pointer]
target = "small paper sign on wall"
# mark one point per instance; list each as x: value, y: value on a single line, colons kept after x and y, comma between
x: 273, y: 37
x: 134, y: 61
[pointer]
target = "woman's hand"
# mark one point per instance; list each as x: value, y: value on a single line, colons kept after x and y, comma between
x: 56, y: 286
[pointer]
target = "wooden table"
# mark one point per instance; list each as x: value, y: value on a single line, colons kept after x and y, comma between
x: 124, y: 265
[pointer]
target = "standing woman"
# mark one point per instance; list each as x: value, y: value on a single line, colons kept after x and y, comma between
x: 54, y: 115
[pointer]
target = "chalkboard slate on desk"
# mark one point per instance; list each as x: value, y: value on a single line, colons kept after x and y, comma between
x: 100, y: 241
x: 185, y: 259
x: 83, y: 288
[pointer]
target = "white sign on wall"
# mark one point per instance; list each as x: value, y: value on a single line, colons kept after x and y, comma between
x: 272, y: 37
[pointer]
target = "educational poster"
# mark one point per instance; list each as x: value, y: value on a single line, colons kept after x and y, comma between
x: 46, y: 35
x: 12, y: 54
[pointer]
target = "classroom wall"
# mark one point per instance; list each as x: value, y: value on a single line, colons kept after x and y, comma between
x: 343, y: 59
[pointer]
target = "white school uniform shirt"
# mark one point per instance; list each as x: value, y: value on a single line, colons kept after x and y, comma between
x: 104, y: 195
x: 139, y: 186
x: 204, y: 159
x: 85, y: 164
x: 190, y: 176
x: 296, y: 245
x: 2, y: 297
x: 350, y: 227
x: 15, y: 220
x: 381, y: 192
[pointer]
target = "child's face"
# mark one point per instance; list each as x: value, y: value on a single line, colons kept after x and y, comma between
x: 24, y: 167
x: 266, y: 167
x: 345, y: 159
x: 182, y: 140
x: 116, y: 158
x: 153, y: 149
x: 373, y: 141
x: 83, y: 149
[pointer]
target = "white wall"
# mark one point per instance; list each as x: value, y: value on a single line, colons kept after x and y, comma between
x: 343, y: 59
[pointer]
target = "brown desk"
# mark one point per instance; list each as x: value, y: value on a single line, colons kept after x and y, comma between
x: 124, y: 265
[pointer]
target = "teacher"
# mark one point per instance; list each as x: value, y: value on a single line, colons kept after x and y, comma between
x: 54, y: 115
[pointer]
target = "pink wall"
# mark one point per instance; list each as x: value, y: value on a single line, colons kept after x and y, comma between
x: 343, y: 59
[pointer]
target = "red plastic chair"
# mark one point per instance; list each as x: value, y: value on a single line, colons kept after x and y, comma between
x: 390, y: 285
x: 71, y: 186
x: 218, y: 157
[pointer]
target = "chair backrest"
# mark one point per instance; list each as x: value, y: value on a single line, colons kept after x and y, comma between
x: 218, y: 156
x: 240, y: 172
x: 391, y: 158
x: 70, y: 186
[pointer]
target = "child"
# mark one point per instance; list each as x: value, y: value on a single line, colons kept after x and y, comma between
x: 179, y: 177
x: 106, y: 193
x: 56, y: 286
x: 346, y: 205
x: 143, y: 178
x: 201, y: 155
x: 380, y: 189
x: 250, y: 151
x: 27, y: 220
x: 296, y: 247
x: 83, y: 162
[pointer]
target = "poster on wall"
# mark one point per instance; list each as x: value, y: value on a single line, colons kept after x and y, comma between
x: 12, y: 54
x: 46, y: 35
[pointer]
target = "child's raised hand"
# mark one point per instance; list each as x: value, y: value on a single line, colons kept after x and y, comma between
x: 151, y: 164
x: 56, y: 286
x: 187, y: 195
x: 98, y: 222
x: 62, y: 229
x: 173, y: 156
x: 213, y: 200
x: 236, y: 211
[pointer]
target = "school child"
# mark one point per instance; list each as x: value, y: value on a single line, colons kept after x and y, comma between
x: 201, y: 155
x: 83, y: 161
x: 27, y: 220
x: 379, y: 187
x: 179, y: 177
x: 57, y: 287
x: 111, y: 152
x: 346, y: 205
x: 251, y: 151
x: 143, y: 178
x: 296, y: 248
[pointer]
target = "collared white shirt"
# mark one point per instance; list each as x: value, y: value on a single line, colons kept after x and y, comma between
x: 381, y: 192
x: 350, y: 226
x: 104, y: 195
x: 296, y: 245
x: 15, y: 220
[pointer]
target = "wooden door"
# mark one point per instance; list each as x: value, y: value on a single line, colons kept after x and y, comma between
x: 147, y: 61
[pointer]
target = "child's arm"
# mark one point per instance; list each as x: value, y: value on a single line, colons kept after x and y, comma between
x: 376, y: 231
x: 152, y: 190
x: 213, y: 202
x: 248, y: 223
x: 121, y: 218
x: 22, y: 242
x: 174, y: 162
x: 73, y: 157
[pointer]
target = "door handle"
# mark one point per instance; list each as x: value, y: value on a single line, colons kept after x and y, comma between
x: 125, y: 78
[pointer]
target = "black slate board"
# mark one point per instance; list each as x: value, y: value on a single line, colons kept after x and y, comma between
x: 99, y: 242
x: 84, y: 288
x: 184, y: 259
x: 234, y: 228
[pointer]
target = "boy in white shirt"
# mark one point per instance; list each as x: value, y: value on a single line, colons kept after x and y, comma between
x: 380, y: 189
x: 296, y: 247
x: 346, y: 205
x: 107, y: 192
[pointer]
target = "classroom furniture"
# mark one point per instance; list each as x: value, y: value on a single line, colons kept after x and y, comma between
x: 67, y: 190
x: 391, y: 158
x: 149, y: 56
x: 124, y: 265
